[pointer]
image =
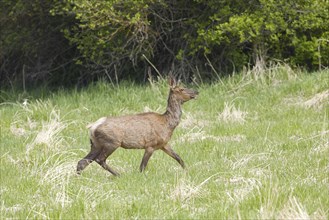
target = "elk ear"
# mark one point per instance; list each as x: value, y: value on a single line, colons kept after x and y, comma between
x: 171, y: 81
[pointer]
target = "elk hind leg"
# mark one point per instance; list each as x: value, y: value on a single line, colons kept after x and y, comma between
x: 82, y: 164
x: 101, y: 159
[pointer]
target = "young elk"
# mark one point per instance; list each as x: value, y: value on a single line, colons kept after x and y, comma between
x: 149, y: 131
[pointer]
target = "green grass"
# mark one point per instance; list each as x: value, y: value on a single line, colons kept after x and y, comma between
x: 255, y: 146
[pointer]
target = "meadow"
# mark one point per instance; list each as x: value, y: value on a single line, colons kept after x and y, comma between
x: 256, y: 146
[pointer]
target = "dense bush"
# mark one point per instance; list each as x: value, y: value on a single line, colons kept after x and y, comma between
x: 70, y: 41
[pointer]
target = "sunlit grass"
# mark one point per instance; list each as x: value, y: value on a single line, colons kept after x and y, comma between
x: 255, y: 147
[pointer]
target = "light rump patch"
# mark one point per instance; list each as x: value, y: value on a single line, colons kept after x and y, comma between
x: 92, y: 126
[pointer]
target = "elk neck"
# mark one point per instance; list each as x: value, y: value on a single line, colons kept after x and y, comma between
x: 174, y: 111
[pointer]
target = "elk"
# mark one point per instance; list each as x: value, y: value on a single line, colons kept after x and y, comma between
x: 149, y: 131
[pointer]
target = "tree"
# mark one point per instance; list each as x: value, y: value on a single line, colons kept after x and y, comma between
x: 32, y: 45
x: 81, y: 40
x: 261, y: 29
x: 115, y: 36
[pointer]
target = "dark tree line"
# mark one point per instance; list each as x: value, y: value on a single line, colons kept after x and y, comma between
x: 76, y: 41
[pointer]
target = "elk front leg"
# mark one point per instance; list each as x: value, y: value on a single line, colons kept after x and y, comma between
x: 148, y: 153
x: 168, y: 150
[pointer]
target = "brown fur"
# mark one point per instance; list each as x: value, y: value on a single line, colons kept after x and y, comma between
x: 150, y: 131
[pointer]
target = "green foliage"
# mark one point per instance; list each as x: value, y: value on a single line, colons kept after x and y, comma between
x: 284, y: 30
x: 109, y: 30
x: 69, y: 41
x: 32, y: 45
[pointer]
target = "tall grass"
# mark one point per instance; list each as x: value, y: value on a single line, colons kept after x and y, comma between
x: 256, y: 146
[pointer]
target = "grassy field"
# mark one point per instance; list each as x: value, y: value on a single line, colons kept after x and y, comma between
x: 255, y: 145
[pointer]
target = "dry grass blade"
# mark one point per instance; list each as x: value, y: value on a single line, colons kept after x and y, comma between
x: 243, y: 187
x: 185, y: 191
x: 49, y: 135
x: 293, y: 210
x: 197, y: 134
x: 232, y: 114
x: 318, y: 100
x: 193, y: 120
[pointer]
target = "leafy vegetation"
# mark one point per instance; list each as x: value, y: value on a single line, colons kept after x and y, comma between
x: 259, y: 151
x: 70, y: 41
